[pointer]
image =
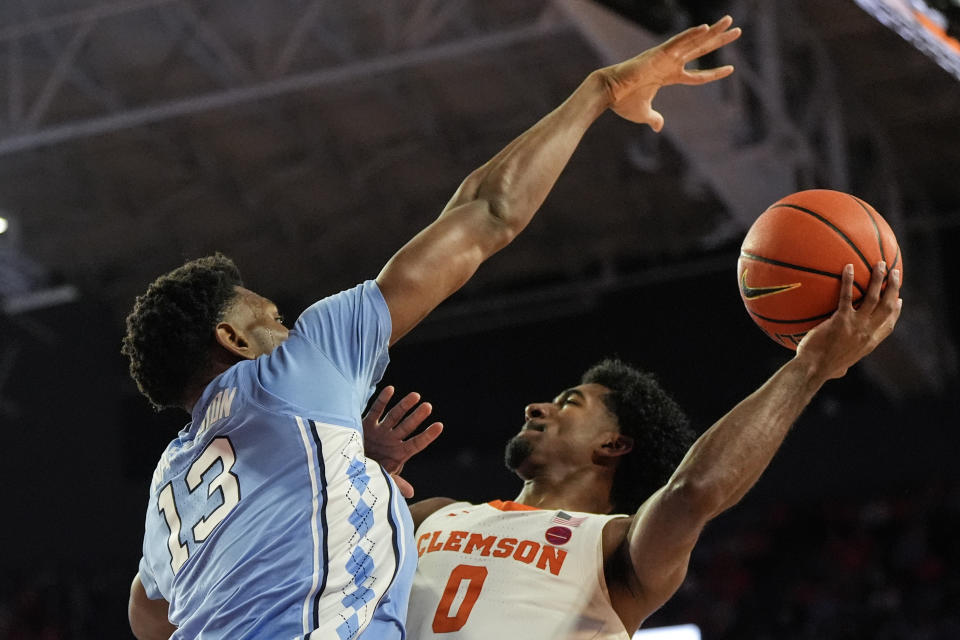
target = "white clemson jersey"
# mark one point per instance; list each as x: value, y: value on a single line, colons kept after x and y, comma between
x: 503, y: 570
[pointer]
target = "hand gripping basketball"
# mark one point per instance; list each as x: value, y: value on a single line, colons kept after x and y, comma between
x: 850, y: 334
x: 792, y: 258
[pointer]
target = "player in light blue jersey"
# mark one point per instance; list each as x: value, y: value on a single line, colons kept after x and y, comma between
x: 265, y: 518
x: 268, y: 488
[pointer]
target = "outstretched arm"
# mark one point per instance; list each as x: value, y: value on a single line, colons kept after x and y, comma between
x: 726, y: 461
x: 498, y: 200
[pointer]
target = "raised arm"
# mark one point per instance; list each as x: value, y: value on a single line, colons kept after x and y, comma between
x: 498, y: 200
x: 726, y: 461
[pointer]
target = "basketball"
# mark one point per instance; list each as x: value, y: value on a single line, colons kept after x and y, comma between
x: 792, y: 259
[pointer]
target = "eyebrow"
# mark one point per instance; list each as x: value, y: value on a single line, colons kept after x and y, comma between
x: 571, y: 392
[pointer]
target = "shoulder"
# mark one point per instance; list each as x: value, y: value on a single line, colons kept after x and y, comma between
x: 346, y: 304
x: 424, y: 508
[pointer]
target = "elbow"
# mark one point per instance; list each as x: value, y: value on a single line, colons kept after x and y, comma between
x: 506, y: 226
x: 699, y: 499
x: 492, y: 191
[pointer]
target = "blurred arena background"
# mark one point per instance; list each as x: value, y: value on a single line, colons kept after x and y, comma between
x: 308, y: 139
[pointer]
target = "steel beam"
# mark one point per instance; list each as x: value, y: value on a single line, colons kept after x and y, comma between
x: 208, y: 36
x: 60, y: 72
x: 365, y: 69
x: 74, y: 18
x: 295, y: 40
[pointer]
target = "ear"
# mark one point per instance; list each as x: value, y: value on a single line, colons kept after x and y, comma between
x: 233, y: 341
x: 614, y: 446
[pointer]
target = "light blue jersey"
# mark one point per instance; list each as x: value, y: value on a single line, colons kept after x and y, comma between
x: 265, y: 518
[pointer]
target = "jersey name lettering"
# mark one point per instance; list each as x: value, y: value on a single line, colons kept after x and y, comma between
x: 218, y: 408
x: 548, y: 558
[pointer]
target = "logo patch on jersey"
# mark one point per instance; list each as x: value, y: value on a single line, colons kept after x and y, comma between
x: 558, y: 535
x: 565, y: 518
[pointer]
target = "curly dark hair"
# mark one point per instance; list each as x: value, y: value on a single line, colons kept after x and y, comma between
x: 659, y: 428
x: 171, y: 327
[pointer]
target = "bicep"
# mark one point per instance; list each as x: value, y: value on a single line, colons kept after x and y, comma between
x: 148, y: 618
x: 659, y: 542
x: 438, y: 261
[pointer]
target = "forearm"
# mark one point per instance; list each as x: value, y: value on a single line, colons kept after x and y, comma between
x: 516, y: 181
x: 498, y: 200
x: 728, y: 458
x: 717, y: 471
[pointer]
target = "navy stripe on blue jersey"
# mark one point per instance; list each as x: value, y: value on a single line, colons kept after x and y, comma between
x: 396, y: 531
x: 325, y: 552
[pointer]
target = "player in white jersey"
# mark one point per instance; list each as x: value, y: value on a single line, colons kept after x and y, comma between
x: 266, y: 518
x: 548, y: 567
x: 506, y: 560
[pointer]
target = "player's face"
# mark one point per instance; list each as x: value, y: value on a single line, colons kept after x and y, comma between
x: 258, y: 321
x: 562, y: 433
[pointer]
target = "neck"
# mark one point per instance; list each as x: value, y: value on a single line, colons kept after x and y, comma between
x: 192, y: 397
x: 194, y: 392
x: 219, y: 362
x: 585, y: 491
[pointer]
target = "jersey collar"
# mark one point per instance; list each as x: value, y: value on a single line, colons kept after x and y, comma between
x: 509, y: 505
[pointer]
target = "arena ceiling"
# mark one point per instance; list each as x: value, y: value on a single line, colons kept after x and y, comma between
x: 309, y: 139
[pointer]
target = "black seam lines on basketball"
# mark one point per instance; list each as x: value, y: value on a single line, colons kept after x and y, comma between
x: 822, y: 316
x: 779, y: 263
x: 873, y: 221
x: 832, y: 226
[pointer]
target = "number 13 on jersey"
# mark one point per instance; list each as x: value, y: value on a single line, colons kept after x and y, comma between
x: 225, y: 482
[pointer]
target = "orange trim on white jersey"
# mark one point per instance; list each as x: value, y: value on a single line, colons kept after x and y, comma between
x: 510, y: 505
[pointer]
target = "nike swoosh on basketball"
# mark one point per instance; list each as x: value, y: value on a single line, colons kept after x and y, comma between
x: 751, y: 293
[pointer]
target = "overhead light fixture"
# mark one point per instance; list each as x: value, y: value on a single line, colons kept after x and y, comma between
x: 4, y: 224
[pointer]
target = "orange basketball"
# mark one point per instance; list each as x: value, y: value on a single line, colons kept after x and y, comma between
x: 792, y: 259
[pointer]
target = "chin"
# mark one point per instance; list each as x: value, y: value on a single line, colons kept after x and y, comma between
x: 517, y: 453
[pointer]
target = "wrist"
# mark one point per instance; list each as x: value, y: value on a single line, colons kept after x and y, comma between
x: 597, y: 84
x: 808, y: 372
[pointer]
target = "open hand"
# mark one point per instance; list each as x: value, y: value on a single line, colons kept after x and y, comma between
x: 849, y: 334
x: 633, y: 83
x: 383, y: 435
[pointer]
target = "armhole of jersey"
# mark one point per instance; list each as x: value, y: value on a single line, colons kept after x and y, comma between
x: 601, y: 572
x: 602, y: 575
